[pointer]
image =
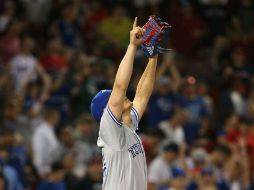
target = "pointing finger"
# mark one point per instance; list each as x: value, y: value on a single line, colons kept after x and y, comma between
x: 135, y: 22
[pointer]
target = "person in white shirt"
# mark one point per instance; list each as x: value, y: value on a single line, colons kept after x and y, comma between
x: 24, y: 67
x: 45, y: 143
x: 173, y: 128
x: 159, y: 171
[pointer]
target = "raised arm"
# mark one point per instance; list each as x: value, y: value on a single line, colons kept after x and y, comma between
x: 145, y: 86
x: 169, y: 65
x: 124, y: 72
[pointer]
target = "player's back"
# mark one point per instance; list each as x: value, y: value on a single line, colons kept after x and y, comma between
x: 124, y: 163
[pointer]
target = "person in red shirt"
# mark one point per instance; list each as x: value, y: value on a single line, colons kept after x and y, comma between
x: 10, y: 42
x: 53, y: 60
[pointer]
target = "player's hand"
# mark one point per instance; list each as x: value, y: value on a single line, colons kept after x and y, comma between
x: 136, y: 34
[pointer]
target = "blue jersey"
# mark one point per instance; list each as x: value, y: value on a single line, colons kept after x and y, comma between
x: 196, y: 110
x: 160, y: 108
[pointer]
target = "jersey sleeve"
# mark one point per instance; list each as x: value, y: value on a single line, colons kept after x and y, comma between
x: 111, y: 131
x: 134, y: 118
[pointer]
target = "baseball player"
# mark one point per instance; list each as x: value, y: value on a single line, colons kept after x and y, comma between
x: 124, y: 162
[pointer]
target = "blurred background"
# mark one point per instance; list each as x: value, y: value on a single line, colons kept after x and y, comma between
x: 55, y: 55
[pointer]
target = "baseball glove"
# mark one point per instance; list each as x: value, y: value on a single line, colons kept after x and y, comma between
x: 155, y: 28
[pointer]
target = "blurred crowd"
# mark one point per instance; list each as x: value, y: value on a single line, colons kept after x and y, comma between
x: 55, y: 55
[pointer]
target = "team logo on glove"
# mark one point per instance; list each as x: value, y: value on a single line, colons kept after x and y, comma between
x: 155, y: 28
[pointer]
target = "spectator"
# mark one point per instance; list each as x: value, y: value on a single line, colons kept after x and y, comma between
x: 17, y: 153
x: 24, y: 67
x: 83, y: 87
x: 45, y: 142
x: 11, y: 112
x: 238, y: 66
x: 219, y: 161
x: 162, y: 102
x: 10, y: 41
x: 232, y: 129
x: 238, y: 175
x: 202, y: 91
x: 205, y: 180
x: 54, y: 180
x: 233, y: 164
x: 221, y: 155
x: 195, y: 108
x: 93, y: 179
x: 114, y: 31
x: 61, y: 83
x: 173, y: 128
x: 33, y: 103
x: 159, y: 170
x: 54, y: 61
x: 9, y: 173
x: 233, y: 100
x: 70, y: 179
x: 86, y: 130
x: 195, y: 165
x: 179, y: 180
x: 81, y: 150
x: 68, y: 27
x: 6, y: 15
